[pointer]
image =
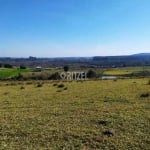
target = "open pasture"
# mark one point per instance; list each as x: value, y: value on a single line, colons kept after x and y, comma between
x: 100, y: 114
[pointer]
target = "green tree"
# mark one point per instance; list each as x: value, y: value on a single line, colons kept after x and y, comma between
x: 66, y: 68
x: 7, y: 66
x: 91, y: 74
x: 22, y: 67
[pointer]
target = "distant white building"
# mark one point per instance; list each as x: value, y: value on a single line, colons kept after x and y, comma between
x: 39, y: 68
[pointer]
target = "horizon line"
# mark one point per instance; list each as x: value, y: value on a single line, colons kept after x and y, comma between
x: 53, y: 57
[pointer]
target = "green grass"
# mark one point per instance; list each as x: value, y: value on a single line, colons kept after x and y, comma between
x: 6, y: 73
x: 125, y: 71
x: 117, y: 72
x: 103, y: 115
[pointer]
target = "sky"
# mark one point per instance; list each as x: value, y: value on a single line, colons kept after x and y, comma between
x: 58, y: 28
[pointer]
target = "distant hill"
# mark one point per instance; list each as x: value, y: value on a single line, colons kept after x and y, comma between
x: 141, y: 54
x: 129, y: 60
x: 141, y: 59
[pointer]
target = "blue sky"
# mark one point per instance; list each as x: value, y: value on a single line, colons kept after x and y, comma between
x: 56, y: 28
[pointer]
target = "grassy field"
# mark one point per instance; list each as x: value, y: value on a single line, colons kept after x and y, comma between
x: 125, y: 71
x: 6, y: 73
x: 104, y: 115
x: 117, y: 72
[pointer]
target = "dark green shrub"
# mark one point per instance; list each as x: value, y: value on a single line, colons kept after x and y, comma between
x: 22, y: 87
x: 22, y: 67
x: 55, y: 84
x: 39, y: 85
x: 8, y: 66
x: 108, y: 133
x: 103, y: 122
x: 144, y: 95
x: 91, y: 74
x: 61, y: 86
x: 65, y: 88
x: 18, y: 77
x: 55, y: 76
x: 66, y: 68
